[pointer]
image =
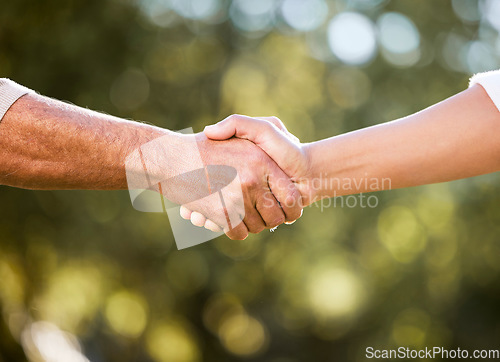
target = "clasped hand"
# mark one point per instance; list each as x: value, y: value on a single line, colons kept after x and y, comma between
x: 272, y: 166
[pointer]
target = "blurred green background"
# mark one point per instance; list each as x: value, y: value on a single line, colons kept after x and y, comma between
x: 84, y: 271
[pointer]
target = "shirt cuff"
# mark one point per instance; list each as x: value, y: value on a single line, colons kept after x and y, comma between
x: 9, y: 93
x: 490, y: 81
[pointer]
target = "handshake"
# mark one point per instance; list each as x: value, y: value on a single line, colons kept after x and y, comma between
x: 243, y: 174
x: 240, y: 176
x: 253, y: 174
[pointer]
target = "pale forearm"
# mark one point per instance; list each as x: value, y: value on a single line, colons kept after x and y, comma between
x: 454, y: 139
x: 48, y: 144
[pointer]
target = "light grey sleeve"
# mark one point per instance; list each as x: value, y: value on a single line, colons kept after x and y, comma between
x: 9, y: 93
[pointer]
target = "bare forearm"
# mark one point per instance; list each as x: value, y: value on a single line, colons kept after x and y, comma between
x: 48, y: 144
x: 454, y: 139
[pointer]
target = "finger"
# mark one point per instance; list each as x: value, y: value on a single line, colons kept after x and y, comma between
x: 240, y: 232
x: 281, y: 126
x: 236, y: 125
x: 185, y: 213
x: 253, y: 220
x: 269, y: 209
x: 286, y: 193
x: 208, y: 208
x: 274, y: 120
x: 291, y: 222
x: 198, y: 219
x: 210, y: 225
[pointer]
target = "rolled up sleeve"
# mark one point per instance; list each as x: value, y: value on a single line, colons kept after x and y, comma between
x: 10, y: 92
x: 490, y: 81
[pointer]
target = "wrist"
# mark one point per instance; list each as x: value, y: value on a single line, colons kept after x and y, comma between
x: 158, y: 155
x: 307, y: 184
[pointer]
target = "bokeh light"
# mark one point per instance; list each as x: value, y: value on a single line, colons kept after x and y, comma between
x: 467, y: 10
x: 351, y: 37
x: 126, y: 313
x: 172, y: 341
x: 492, y: 13
x: 243, y: 335
x: 218, y: 308
x: 159, y: 12
x: 400, y: 231
x: 480, y: 57
x: 334, y: 292
x: 410, y: 328
x: 452, y: 49
x: 253, y: 15
x: 365, y: 5
x: 72, y: 296
x: 12, y: 286
x: 304, y: 15
x: 399, y: 38
x: 196, y: 9
x: 44, y: 341
x: 436, y: 207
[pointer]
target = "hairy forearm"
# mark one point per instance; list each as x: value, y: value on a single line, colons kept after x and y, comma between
x: 454, y: 139
x: 48, y: 144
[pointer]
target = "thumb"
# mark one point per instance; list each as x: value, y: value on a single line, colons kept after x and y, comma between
x: 220, y: 131
x: 261, y: 132
x: 245, y: 127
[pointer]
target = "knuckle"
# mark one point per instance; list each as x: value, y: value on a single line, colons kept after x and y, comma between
x: 293, y: 194
x: 268, y: 125
x: 234, y: 117
x: 250, y: 182
x: 277, y: 222
x: 276, y: 120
